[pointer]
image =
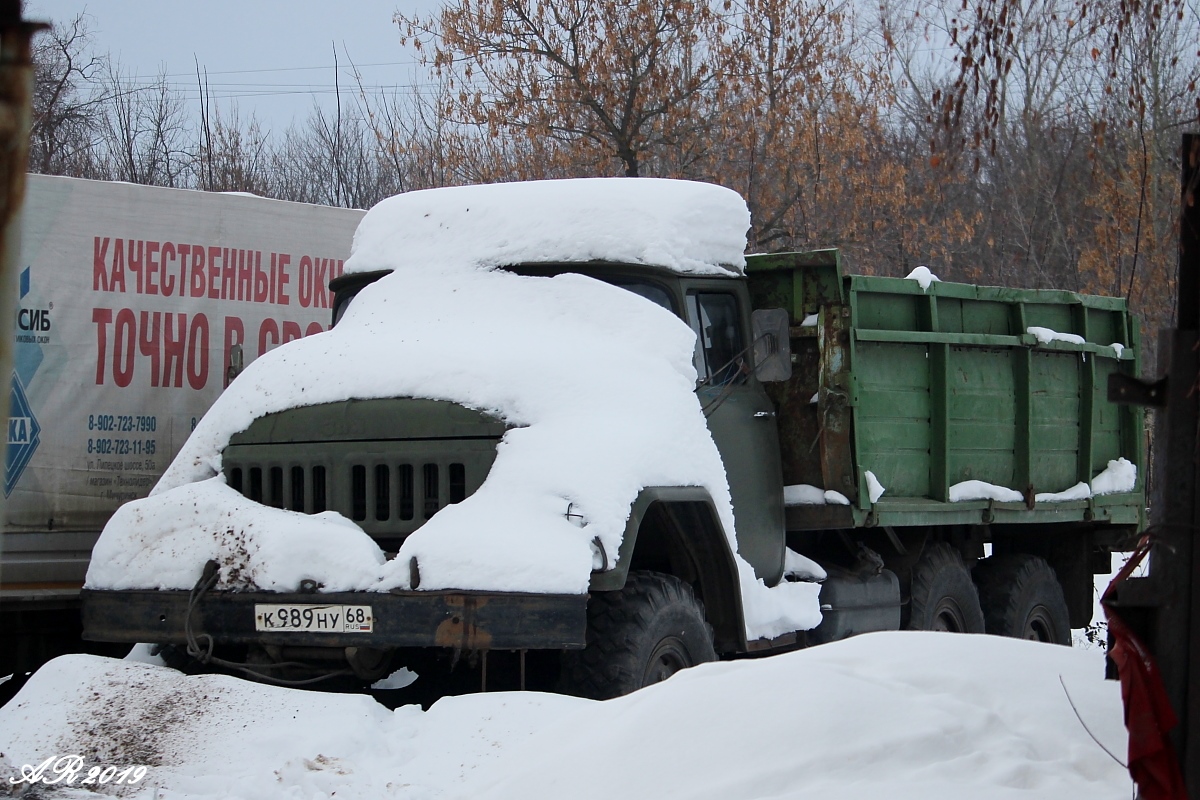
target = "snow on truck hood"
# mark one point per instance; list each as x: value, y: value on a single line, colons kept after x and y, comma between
x: 598, y: 382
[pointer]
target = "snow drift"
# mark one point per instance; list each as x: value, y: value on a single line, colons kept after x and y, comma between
x: 905, y: 714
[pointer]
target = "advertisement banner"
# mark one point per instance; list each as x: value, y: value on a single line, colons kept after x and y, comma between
x: 131, y: 299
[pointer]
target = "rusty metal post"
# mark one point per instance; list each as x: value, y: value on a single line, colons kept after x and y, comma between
x: 1171, y: 624
x: 1186, y: 624
x: 16, y: 88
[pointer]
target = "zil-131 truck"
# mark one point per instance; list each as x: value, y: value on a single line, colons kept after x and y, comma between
x: 931, y: 455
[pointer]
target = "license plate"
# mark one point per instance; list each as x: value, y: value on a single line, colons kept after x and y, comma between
x: 313, y: 619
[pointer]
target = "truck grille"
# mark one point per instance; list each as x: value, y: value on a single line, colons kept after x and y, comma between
x: 387, y: 464
x: 382, y: 492
x: 388, y: 497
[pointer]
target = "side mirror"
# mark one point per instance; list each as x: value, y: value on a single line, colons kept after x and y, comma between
x: 772, y: 344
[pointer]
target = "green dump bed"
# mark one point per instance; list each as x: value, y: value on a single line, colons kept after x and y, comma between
x: 928, y: 388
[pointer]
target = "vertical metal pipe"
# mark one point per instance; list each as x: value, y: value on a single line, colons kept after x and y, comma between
x: 1188, y: 743
x: 16, y: 88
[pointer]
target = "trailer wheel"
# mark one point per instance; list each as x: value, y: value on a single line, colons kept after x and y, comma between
x: 1022, y: 598
x: 943, y: 597
x: 640, y: 635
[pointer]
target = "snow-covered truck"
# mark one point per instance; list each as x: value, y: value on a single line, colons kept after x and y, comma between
x: 571, y: 421
x: 131, y: 300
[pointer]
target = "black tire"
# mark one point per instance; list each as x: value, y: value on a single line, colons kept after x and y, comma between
x: 1022, y: 598
x: 640, y: 635
x: 943, y: 597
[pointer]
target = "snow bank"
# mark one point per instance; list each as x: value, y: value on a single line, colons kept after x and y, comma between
x: 982, y: 490
x: 904, y: 714
x: 801, y: 494
x: 923, y: 277
x: 1046, y: 336
x: 1119, y: 476
x: 539, y: 353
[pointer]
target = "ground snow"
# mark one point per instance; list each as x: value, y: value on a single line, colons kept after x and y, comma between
x: 542, y: 354
x: 901, y: 715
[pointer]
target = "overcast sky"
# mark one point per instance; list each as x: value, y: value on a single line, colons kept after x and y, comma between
x: 272, y: 56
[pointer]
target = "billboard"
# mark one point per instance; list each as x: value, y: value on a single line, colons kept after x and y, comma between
x: 131, y: 299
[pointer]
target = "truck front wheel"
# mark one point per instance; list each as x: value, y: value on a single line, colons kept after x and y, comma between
x: 1022, y: 598
x: 942, y: 596
x: 637, y: 636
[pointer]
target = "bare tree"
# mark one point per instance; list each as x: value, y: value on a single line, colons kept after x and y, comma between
x: 67, y: 100
x: 145, y: 134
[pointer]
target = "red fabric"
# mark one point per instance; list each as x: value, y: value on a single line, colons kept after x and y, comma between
x: 1148, y: 713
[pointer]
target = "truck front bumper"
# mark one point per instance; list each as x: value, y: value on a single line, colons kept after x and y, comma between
x: 459, y: 620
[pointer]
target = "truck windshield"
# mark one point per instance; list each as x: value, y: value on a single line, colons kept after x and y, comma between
x: 347, y: 286
x: 652, y: 292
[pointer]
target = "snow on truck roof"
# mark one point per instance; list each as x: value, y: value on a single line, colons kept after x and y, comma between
x: 688, y: 227
x: 597, y: 382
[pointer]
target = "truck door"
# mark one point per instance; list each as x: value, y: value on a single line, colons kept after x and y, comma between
x: 742, y: 420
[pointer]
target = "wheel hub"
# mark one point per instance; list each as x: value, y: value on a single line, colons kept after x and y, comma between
x: 669, y: 657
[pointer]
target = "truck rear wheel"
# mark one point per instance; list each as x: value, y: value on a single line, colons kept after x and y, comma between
x: 640, y: 635
x: 943, y: 597
x: 1022, y: 598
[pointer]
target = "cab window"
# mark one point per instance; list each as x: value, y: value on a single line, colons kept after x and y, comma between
x: 719, y: 346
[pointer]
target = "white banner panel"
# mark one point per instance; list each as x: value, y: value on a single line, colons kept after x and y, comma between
x: 130, y: 299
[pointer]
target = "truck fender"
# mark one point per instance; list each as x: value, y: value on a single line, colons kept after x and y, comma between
x: 676, y: 530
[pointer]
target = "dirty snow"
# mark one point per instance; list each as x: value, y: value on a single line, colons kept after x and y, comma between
x: 1046, y: 336
x: 903, y: 714
x: 923, y: 277
x: 1080, y: 491
x: 802, y: 494
x: 982, y: 490
x: 537, y: 353
x: 875, y: 489
x: 1119, y: 476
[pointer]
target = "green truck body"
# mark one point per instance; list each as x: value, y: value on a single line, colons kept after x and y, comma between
x: 930, y: 387
x: 923, y: 388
